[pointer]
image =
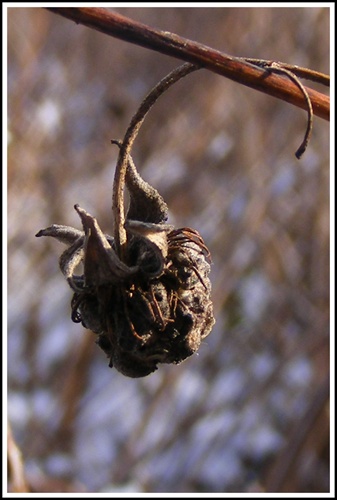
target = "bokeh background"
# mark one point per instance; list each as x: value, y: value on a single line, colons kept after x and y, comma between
x: 249, y: 412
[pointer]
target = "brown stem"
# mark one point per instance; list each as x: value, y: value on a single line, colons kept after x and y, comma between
x: 286, y: 462
x: 125, y: 151
x: 236, y: 69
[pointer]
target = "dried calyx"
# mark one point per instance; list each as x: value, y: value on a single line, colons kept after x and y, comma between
x: 145, y: 291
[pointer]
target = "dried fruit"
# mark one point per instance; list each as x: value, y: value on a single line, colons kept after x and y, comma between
x: 146, y: 291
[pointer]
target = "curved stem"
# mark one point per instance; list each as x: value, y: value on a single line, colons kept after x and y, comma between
x: 293, y: 77
x: 125, y: 150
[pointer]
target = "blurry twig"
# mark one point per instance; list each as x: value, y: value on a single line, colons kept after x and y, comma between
x: 17, y: 480
x: 73, y: 391
x: 286, y: 464
x: 241, y: 70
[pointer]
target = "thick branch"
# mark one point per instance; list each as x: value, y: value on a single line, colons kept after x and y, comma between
x: 168, y: 43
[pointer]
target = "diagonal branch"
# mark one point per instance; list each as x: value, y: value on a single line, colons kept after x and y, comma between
x: 235, y: 68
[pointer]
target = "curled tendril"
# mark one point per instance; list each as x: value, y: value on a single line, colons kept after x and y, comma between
x: 283, y: 71
x: 290, y: 71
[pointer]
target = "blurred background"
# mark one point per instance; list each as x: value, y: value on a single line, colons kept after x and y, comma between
x: 249, y: 412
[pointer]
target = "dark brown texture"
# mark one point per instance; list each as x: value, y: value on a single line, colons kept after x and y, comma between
x: 156, y: 309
